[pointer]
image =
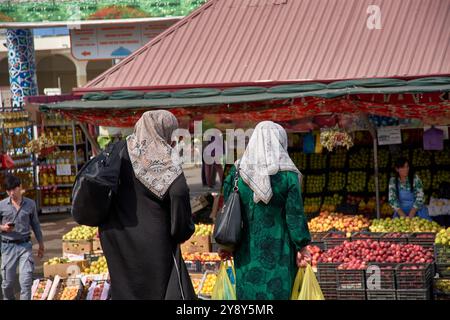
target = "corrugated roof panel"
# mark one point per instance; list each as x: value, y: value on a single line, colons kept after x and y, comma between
x: 236, y: 42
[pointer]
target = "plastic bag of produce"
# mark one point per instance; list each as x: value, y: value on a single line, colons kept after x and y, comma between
x: 306, y: 286
x: 225, y: 289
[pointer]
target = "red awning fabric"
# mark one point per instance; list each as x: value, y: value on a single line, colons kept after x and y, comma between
x: 428, y: 107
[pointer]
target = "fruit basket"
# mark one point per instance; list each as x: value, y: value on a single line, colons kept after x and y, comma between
x: 326, y: 272
x: 413, y: 275
x: 333, y: 239
x: 395, y: 237
x: 442, y: 254
x: 416, y: 294
x: 350, y: 279
x: 345, y: 294
x: 387, y: 276
x: 381, y: 294
x: 329, y: 290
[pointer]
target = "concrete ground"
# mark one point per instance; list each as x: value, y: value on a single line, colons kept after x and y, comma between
x: 54, y: 226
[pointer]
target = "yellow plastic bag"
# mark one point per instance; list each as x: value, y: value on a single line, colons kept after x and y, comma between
x: 224, y: 289
x: 306, y: 286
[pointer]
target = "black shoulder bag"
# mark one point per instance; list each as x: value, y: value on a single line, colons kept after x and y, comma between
x: 228, y: 226
x: 95, y: 185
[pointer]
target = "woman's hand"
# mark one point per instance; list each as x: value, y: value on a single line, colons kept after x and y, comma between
x: 412, y: 213
x: 303, y: 258
x: 224, y: 254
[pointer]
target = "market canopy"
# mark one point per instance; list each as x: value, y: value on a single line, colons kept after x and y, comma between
x: 281, y: 103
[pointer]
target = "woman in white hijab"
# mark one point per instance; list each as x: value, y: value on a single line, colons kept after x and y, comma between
x: 275, y: 230
x: 151, y: 215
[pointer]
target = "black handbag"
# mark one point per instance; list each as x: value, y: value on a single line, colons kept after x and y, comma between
x: 95, y: 185
x: 228, y: 226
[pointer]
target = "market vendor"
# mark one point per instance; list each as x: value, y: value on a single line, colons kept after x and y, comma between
x: 406, y: 194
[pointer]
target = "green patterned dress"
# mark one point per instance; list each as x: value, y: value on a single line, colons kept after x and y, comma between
x: 265, y: 261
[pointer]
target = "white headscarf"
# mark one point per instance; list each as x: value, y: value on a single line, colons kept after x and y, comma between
x: 266, y: 154
x: 154, y: 163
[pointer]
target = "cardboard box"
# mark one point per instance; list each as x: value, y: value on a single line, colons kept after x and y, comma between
x: 96, y: 245
x: 79, y: 247
x: 197, y: 244
x: 65, y: 270
x: 198, y: 203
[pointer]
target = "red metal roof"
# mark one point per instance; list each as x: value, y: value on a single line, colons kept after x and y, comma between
x: 258, y: 42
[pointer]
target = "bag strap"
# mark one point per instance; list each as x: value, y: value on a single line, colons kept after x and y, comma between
x: 236, y: 177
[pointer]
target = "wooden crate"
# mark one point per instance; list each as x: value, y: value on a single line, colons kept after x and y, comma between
x: 80, y: 247
x: 197, y: 244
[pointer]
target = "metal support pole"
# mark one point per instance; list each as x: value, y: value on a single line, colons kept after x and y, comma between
x: 95, y: 146
x: 375, y: 164
x: 373, y: 133
x: 74, y: 141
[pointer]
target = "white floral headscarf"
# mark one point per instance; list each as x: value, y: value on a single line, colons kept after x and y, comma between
x: 153, y: 160
x: 265, y: 155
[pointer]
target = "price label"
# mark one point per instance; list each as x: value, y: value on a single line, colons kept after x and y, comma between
x: 387, y: 136
x: 63, y: 170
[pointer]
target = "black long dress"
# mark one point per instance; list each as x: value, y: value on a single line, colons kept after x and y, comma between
x: 141, y: 233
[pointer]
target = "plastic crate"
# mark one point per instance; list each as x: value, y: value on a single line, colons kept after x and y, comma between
x: 364, y: 235
x: 344, y: 294
x: 329, y: 290
x: 351, y: 279
x: 413, y: 279
x: 389, y: 237
x: 424, y: 239
x: 193, y: 266
x: 326, y: 272
x: 209, y: 266
x: 387, y: 276
x: 381, y: 294
x: 417, y: 294
x: 334, y: 239
x: 443, y: 269
x: 320, y: 245
x: 318, y: 236
x: 442, y: 254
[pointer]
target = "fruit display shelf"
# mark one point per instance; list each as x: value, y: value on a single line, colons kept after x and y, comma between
x: 326, y: 272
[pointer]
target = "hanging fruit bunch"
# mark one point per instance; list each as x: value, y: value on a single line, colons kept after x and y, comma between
x: 332, y: 138
x: 42, y: 146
